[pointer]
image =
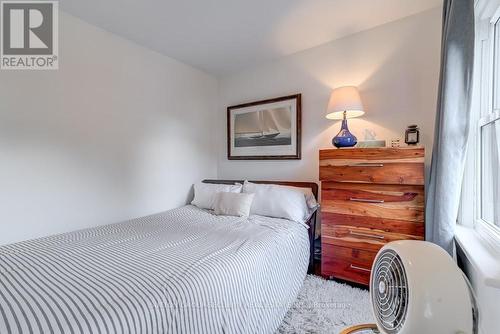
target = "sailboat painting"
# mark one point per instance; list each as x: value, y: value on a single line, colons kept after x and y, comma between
x: 267, y: 129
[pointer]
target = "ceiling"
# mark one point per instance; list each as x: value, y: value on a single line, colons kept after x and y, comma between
x: 223, y: 36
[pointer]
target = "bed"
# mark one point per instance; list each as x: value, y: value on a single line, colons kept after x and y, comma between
x: 181, y: 271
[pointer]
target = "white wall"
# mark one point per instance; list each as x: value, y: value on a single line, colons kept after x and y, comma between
x: 395, y: 65
x: 118, y: 132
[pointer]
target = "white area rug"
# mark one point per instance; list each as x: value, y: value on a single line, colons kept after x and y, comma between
x: 326, y: 307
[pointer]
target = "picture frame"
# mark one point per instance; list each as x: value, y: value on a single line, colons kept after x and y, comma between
x: 265, y: 130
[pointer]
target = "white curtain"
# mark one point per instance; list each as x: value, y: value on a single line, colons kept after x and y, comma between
x: 452, y: 122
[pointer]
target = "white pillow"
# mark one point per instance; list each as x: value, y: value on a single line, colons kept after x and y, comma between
x: 310, y: 198
x: 233, y: 204
x: 205, y: 194
x: 277, y: 201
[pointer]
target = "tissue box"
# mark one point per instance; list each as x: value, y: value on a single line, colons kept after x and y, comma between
x: 371, y: 143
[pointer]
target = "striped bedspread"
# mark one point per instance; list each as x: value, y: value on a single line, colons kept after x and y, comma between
x: 182, y: 271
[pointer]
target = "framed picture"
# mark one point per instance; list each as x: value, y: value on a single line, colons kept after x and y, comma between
x: 265, y: 130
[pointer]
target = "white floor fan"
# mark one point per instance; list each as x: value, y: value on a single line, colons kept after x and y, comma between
x: 416, y: 288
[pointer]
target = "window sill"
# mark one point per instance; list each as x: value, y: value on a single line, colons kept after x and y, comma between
x: 480, y: 256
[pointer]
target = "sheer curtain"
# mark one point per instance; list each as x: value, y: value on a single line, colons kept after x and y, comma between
x: 452, y: 122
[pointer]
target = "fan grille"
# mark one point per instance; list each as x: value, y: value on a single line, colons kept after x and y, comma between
x: 389, y: 291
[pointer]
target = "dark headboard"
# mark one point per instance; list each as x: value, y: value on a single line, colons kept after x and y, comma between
x: 311, y: 222
x: 312, y: 185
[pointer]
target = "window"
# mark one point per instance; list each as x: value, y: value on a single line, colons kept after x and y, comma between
x: 481, y: 192
x: 489, y: 141
x: 490, y: 172
x: 489, y: 136
x: 496, y: 65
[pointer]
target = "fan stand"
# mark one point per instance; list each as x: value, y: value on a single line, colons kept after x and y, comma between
x: 359, y: 328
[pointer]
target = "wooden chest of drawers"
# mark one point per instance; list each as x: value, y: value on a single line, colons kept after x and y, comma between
x: 369, y: 197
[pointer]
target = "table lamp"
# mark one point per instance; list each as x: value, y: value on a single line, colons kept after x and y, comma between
x: 344, y: 103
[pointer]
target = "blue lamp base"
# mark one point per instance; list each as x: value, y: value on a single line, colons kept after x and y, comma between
x: 344, y: 138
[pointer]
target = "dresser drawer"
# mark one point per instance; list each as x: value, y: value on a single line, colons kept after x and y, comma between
x: 375, y: 154
x: 374, y: 200
x: 382, y: 224
x: 360, y: 238
x: 345, y: 270
x: 360, y: 257
x: 382, y: 166
x: 347, y: 263
x: 377, y: 173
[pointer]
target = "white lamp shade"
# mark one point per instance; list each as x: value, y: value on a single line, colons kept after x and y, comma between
x: 344, y: 99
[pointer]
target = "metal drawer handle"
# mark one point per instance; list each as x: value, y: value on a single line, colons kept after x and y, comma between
x: 367, y: 235
x: 366, y: 164
x: 365, y: 200
x: 361, y: 269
